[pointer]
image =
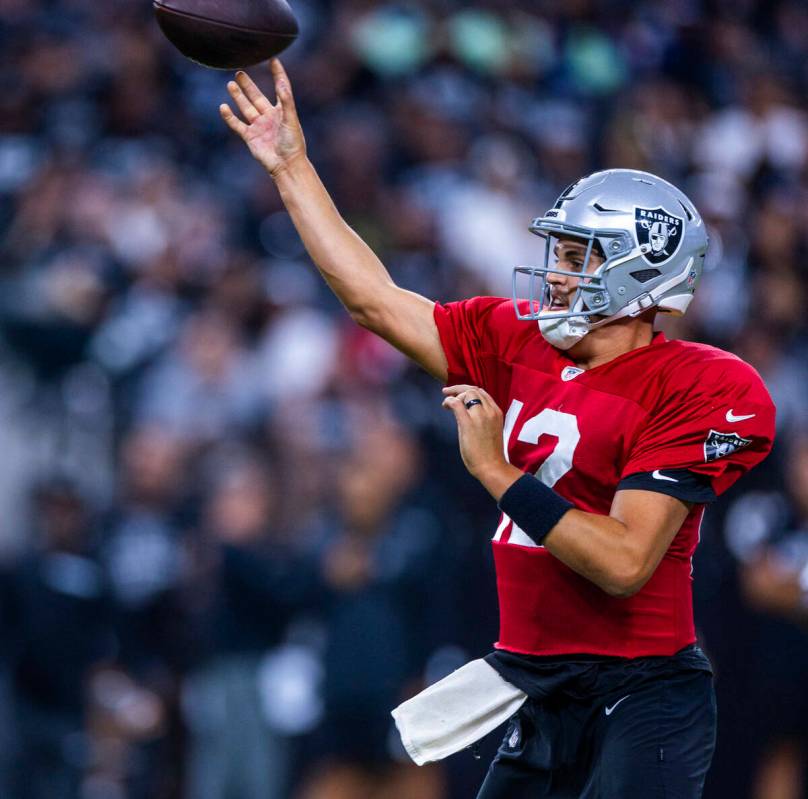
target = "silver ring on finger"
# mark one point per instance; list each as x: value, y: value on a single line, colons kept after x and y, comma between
x: 472, y: 402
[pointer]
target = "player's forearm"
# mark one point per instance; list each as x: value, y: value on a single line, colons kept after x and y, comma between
x: 348, y: 265
x: 354, y: 273
x: 601, y: 549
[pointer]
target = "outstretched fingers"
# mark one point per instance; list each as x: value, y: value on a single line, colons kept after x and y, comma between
x: 283, y: 89
x: 253, y: 93
x: 248, y: 110
x: 231, y: 120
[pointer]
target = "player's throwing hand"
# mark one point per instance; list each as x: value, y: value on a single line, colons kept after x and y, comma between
x: 272, y: 132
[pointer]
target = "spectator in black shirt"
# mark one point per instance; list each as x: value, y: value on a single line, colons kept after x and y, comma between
x: 59, y: 631
x: 247, y: 583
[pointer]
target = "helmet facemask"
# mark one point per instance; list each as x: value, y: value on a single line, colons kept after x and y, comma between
x: 561, y: 326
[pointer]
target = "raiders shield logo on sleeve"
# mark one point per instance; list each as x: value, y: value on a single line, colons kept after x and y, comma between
x: 719, y: 445
x: 659, y: 233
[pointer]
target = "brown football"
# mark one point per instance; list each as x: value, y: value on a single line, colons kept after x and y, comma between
x: 227, y: 34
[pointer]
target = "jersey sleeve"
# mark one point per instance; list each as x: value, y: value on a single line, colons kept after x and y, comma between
x: 717, y: 425
x: 470, y: 334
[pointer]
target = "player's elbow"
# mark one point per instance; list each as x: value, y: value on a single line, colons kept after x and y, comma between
x: 622, y: 590
x: 368, y: 315
x: 361, y: 316
x: 626, y: 579
x: 369, y: 318
x: 377, y: 320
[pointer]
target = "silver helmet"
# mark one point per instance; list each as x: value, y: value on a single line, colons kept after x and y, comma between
x: 652, y: 240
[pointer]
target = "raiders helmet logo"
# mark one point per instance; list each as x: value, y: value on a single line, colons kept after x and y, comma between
x: 719, y: 445
x: 659, y: 233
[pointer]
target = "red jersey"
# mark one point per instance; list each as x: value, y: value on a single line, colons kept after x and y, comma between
x: 666, y: 407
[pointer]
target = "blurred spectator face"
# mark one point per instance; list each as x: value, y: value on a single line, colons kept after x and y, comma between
x: 71, y: 288
x: 153, y: 465
x: 121, y: 711
x: 11, y: 8
x: 759, y: 347
x: 239, y: 292
x: 781, y: 299
x: 62, y: 518
x: 356, y: 147
x: 499, y: 161
x: 409, y: 223
x: 798, y: 477
x: 209, y: 342
x: 764, y: 93
x: 240, y: 511
x: 563, y: 162
x: 776, y: 233
x: 381, y: 468
x: 426, y: 133
x: 53, y: 65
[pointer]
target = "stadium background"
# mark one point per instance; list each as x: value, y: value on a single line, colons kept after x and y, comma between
x: 235, y: 530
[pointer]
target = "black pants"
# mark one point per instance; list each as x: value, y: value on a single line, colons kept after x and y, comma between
x: 641, y: 729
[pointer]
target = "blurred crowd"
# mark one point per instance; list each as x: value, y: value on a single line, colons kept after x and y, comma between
x: 235, y: 528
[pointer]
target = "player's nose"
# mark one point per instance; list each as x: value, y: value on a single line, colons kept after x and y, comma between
x: 555, y: 279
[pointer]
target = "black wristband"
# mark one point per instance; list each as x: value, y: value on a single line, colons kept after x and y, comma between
x: 533, y: 506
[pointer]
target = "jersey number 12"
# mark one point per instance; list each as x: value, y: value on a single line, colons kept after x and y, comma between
x: 564, y: 426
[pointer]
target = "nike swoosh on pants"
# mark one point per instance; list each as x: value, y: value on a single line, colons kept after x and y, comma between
x: 657, y: 475
x: 610, y: 710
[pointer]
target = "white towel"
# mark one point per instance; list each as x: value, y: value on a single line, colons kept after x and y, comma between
x: 456, y: 712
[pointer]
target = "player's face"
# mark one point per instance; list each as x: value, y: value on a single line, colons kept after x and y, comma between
x: 569, y: 256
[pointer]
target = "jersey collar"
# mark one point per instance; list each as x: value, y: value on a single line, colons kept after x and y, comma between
x: 657, y: 339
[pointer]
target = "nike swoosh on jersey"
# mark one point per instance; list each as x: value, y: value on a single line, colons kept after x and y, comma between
x: 731, y: 417
x: 610, y: 710
x: 657, y: 475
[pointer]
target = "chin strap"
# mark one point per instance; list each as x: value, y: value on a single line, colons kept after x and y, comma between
x: 565, y: 332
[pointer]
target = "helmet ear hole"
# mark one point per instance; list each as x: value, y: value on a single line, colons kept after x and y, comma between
x: 644, y: 275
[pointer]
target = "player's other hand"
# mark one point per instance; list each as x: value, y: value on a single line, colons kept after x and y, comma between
x: 271, y: 131
x: 479, y: 428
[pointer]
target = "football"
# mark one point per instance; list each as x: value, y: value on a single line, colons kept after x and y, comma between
x: 227, y: 34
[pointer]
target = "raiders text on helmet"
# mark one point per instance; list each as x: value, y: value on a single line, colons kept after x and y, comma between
x: 653, y: 241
